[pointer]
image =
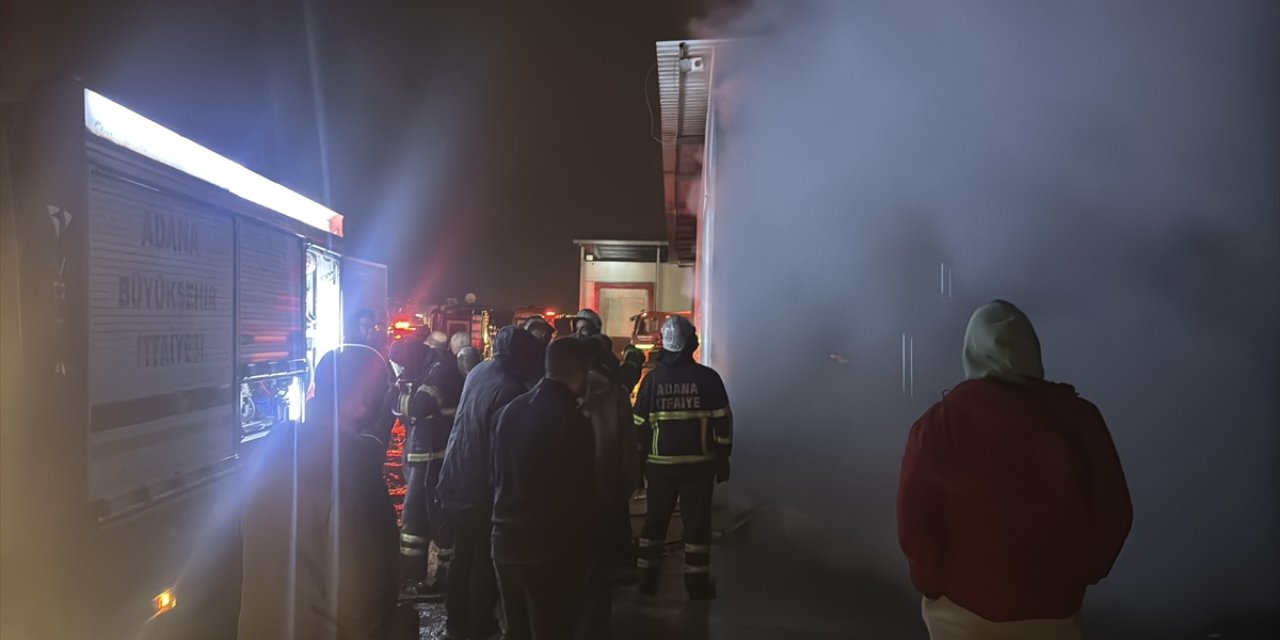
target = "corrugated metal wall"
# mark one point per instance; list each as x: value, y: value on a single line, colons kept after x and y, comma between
x: 160, y: 327
x: 270, y: 293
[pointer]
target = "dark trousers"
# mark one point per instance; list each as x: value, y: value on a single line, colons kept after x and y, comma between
x: 473, y: 587
x: 415, y: 528
x: 692, y: 485
x: 598, y: 617
x: 617, y: 548
x: 543, y: 601
x: 422, y: 521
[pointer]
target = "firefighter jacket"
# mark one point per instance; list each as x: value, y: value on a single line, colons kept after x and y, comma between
x: 429, y: 406
x: 466, y: 485
x: 683, y: 413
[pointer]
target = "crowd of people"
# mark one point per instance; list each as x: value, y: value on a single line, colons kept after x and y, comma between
x: 520, y: 469
x: 519, y: 472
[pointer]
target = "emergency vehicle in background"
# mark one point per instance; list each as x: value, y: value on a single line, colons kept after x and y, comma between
x: 163, y: 308
x: 561, y: 322
x: 646, y: 330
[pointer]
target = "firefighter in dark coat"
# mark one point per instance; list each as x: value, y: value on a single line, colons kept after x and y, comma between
x: 427, y: 404
x: 466, y: 486
x: 687, y: 433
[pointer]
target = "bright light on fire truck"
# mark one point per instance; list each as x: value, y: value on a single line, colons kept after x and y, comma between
x: 164, y: 603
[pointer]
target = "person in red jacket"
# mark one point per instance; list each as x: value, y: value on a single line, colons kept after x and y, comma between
x: 1012, y: 500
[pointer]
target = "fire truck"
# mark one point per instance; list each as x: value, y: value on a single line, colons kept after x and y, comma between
x: 646, y: 330
x: 163, y: 308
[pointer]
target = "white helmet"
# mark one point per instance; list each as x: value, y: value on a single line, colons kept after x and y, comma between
x: 458, y: 342
x: 677, y: 333
x: 437, y: 339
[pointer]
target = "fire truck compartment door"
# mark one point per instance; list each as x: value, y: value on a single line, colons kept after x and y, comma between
x: 364, y: 286
x: 161, y: 329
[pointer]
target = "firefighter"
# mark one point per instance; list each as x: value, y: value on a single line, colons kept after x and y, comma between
x: 428, y: 403
x: 587, y: 323
x: 540, y: 328
x: 686, y: 427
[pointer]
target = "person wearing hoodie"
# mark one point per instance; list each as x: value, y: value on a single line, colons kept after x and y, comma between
x: 1012, y: 500
x: 468, y: 358
x: 465, y: 488
x: 686, y: 427
x: 617, y: 473
x: 318, y: 526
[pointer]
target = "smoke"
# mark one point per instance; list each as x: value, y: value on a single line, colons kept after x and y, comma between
x: 884, y: 168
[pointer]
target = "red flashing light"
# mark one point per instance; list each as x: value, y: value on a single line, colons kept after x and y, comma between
x: 403, y: 325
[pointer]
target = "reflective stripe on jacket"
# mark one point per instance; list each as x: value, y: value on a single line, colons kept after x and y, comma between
x: 683, y: 413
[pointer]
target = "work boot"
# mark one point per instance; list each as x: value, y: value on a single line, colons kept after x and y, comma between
x: 418, y: 591
x: 699, y: 586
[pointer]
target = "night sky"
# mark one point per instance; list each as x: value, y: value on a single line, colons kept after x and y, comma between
x: 467, y: 146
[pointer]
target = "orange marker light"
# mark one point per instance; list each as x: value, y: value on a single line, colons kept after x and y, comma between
x: 165, y: 602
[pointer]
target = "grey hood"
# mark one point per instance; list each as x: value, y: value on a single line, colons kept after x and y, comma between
x: 1000, y: 343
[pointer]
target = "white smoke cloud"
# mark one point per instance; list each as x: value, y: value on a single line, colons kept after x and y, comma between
x: 1111, y: 167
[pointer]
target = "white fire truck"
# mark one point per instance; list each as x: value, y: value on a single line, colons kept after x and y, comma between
x: 163, y: 307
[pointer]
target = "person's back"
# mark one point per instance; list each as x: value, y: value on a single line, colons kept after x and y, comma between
x: 544, y: 477
x: 1012, y: 500
x: 543, y: 509
x: 319, y: 558
x: 465, y: 487
x: 617, y: 456
x: 682, y: 409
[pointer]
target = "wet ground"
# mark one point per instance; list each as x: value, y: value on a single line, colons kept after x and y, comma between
x: 763, y: 593
x: 770, y: 587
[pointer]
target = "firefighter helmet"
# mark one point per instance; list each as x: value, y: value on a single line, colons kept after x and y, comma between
x: 540, y: 328
x: 459, y: 341
x: 677, y: 334
x: 437, y: 339
x: 591, y: 317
